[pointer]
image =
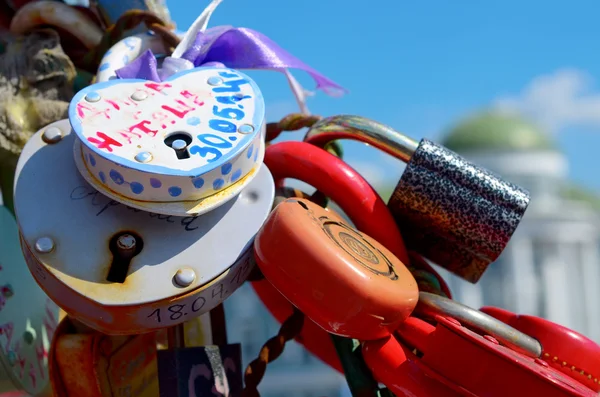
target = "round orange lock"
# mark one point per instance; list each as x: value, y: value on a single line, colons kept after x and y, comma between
x: 345, y: 281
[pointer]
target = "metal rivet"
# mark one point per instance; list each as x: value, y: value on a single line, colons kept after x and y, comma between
x: 52, y: 135
x: 491, y: 339
x: 44, y: 245
x: 249, y: 196
x: 179, y: 144
x: 126, y: 242
x: 29, y: 336
x: 93, y: 97
x: 143, y: 157
x: 184, y: 277
x: 215, y: 80
x: 139, y: 96
x: 541, y: 362
x: 245, y: 129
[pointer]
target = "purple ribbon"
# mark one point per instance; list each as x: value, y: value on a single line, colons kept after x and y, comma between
x: 236, y: 48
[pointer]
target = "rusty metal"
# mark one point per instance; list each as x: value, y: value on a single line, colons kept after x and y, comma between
x: 84, y: 362
x: 291, y: 122
x: 270, y: 351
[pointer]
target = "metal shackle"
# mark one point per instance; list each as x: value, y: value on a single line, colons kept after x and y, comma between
x: 430, y: 305
x: 453, y: 212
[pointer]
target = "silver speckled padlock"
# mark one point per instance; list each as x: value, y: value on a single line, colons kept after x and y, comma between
x: 454, y: 213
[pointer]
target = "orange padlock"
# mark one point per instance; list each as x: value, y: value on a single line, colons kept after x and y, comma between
x: 343, y: 280
x: 347, y: 188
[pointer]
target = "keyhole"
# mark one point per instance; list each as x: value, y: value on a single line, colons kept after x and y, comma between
x: 124, y: 247
x: 179, y: 142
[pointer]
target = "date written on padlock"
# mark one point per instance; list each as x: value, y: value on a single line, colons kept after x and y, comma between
x: 200, y: 371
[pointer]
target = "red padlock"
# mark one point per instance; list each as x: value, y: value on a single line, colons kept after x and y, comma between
x: 453, y: 360
x: 565, y: 350
x: 343, y: 280
x: 359, y: 201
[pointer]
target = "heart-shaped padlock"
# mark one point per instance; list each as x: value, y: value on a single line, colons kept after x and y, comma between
x: 189, y: 143
x: 343, y: 280
x: 28, y: 318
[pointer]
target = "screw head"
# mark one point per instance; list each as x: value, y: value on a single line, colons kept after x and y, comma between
x: 143, y: 157
x: 245, y: 129
x: 52, y: 135
x: 179, y: 144
x: 214, y: 80
x: 139, y: 96
x: 184, y: 277
x: 92, y: 97
x: 29, y: 336
x: 126, y: 242
x: 44, y: 245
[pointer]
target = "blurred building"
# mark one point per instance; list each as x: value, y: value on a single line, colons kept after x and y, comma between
x: 551, y: 267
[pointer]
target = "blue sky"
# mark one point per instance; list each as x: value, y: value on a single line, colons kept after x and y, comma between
x: 448, y: 59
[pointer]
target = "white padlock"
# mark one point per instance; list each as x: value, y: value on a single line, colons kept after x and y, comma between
x: 28, y: 317
x: 119, y: 269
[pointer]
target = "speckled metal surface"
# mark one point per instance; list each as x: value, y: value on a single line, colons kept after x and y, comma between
x: 455, y: 213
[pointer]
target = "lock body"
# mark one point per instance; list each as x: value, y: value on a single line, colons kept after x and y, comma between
x: 193, y: 141
x: 454, y: 213
x: 345, y: 281
x: 121, y: 270
x: 87, y: 363
x: 465, y: 363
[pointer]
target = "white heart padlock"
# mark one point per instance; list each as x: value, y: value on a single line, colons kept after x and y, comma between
x: 180, y: 147
x: 28, y: 317
x: 116, y: 268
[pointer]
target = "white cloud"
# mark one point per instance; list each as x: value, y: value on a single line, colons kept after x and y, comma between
x: 565, y: 98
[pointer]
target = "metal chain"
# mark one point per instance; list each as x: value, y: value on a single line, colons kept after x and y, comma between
x: 270, y: 351
x: 129, y: 20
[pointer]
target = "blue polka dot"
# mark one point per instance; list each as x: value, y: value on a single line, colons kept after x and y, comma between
x: 193, y: 121
x: 126, y: 59
x: 104, y: 66
x: 236, y: 175
x: 232, y: 138
x: 116, y: 177
x: 250, y: 149
x: 226, y: 168
x: 136, y: 187
x: 218, y: 183
x: 198, y: 182
x: 155, y: 183
x: 256, y: 156
x: 92, y: 161
x: 102, y: 176
x: 174, y: 191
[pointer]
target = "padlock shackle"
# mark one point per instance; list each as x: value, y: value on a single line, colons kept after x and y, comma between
x: 365, y: 130
x: 127, y: 50
x: 431, y: 305
x: 60, y: 15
